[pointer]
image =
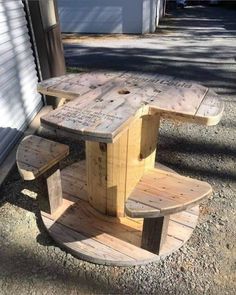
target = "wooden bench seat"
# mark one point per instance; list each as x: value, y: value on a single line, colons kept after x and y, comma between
x: 157, y: 195
x: 38, y: 158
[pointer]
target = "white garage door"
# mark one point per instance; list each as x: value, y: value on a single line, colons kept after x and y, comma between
x: 19, y: 100
x: 107, y: 16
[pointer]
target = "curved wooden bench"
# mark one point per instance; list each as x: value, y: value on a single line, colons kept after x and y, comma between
x: 38, y: 158
x: 157, y: 195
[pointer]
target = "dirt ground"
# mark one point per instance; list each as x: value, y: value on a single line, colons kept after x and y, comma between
x: 197, y: 43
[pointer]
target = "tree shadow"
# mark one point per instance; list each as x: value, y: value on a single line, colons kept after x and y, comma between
x: 184, y: 46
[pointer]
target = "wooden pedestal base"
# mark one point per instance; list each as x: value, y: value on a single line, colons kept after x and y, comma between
x: 98, y: 238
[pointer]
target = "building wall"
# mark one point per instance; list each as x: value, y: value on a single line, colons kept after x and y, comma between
x: 19, y: 100
x: 107, y: 16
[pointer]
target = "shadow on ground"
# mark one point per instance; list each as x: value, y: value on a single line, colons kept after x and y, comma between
x: 197, y: 43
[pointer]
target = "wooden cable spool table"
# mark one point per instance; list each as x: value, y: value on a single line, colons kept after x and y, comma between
x: 119, y: 207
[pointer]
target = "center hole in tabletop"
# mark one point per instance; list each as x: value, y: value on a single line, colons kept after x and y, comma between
x: 123, y: 91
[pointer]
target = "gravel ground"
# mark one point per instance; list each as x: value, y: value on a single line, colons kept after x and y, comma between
x: 31, y: 263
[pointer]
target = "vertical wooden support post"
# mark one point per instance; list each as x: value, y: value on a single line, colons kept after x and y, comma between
x: 114, y: 169
x: 154, y: 233
x: 50, y: 190
x: 96, y: 169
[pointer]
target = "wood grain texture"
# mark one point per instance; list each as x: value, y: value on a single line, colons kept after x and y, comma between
x: 35, y: 155
x: 117, y: 175
x: 108, y: 110
x: 49, y: 194
x: 98, y: 238
x: 107, y: 240
x: 166, y: 192
x: 74, y: 180
x: 155, y: 233
x: 114, y: 169
x: 96, y: 167
x: 71, y: 86
x: 209, y: 112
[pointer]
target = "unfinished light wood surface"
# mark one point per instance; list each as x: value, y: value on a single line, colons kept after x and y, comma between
x: 35, y: 155
x: 98, y: 238
x: 159, y: 193
x: 119, y: 118
x: 114, y: 169
x: 71, y: 86
x: 39, y: 158
x: 104, y: 112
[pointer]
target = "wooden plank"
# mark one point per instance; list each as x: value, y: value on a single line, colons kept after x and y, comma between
x: 209, y: 112
x: 142, y: 142
x: 166, y: 192
x: 35, y: 155
x: 211, y: 109
x: 161, y: 203
x: 66, y: 204
x: 90, y: 222
x: 135, y: 165
x: 112, y: 234
x: 82, y: 246
x: 96, y: 167
x: 54, y: 189
x: 74, y: 180
x: 137, y: 209
x: 44, y: 146
x: 74, y: 187
x: 149, y: 136
x: 107, y: 240
x: 117, y: 175
x: 71, y: 86
x: 114, y: 169
x: 155, y: 233
x: 76, y: 171
x: 179, y: 230
x: 177, y: 235
x: 50, y: 190
x: 27, y: 171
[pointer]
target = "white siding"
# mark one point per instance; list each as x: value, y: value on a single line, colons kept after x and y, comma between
x: 19, y: 100
x: 107, y: 16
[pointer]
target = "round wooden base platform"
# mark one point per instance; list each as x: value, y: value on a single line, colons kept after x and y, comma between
x: 97, y: 238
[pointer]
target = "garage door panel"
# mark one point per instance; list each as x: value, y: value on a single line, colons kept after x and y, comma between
x: 19, y: 100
